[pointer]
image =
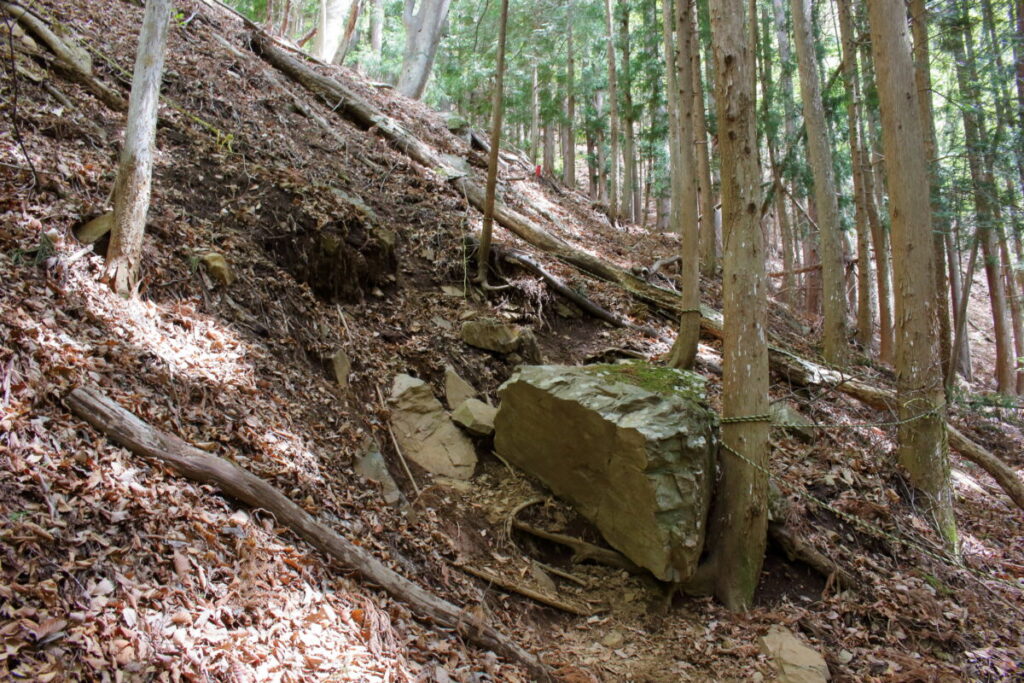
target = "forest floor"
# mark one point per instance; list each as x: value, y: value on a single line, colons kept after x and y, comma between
x: 112, y: 567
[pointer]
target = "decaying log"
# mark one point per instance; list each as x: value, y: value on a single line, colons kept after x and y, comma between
x: 533, y: 594
x: 126, y: 429
x: 799, y: 370
x: 582, y: 550
x: 524, y: 260
x: 73, y: 60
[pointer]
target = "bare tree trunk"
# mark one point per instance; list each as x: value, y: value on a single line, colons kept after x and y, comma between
x: 685, y: 348
x: 672, y: 220
x: 923, y: 78
x: 135, y: 170
x: 569, y: 131
x: 592, y: 173
x: 330, y: 24
x: 630, y: 208
x: 377, y: 28
x: 851, y: 82
x: 613, y: 104
x: 979, y: 160
x: 961, y: 345
x: 708, y: 241
x: 924, y: 450
x: 740, y: 519
x: 497, y: 111
x: 349, y: 34
x: 549, y: 150
x: 534, y: 116
x: 820, y: 155
x: 422, y: 34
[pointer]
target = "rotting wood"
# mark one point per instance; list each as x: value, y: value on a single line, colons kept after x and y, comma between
x: 582, y: 550
x: 524, y: 260
x: 126, y: 429
x: 533, y: 594
x: 798, y: 370
x: 73, y: 60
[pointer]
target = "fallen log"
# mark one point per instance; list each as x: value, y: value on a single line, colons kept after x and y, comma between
x: 72, y: 59
x: 126, y: 429
x: 799, y: 370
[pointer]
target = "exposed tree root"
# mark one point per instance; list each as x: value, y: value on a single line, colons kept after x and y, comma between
x: 532, y: 593
x: 582, y: 550
x: 127, y: 430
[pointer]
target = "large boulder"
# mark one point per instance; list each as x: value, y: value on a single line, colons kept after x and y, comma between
x: 632, y: 447
x: 425, y: 433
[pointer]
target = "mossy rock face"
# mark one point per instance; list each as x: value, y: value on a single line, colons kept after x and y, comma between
x: 632, y: 447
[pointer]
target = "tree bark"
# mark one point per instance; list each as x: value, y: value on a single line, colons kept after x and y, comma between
x: 685, y: 348
x: 330, y: 24
x: 377, y: 28
x: 923, y: 78
x: 422, y: 34
x: 820, y: 156
x: 851, y: 83
x: 739, y: 520
x: 923, y: 450
x: 702, y: 151
x: 497, y: 111
x: 569, y: 136
x: 979, y: 161
x: 135, y: 171
x: 630, y: 210
x: 127, y: 430
x: 613, y: 105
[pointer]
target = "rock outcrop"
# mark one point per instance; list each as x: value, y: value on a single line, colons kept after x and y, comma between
x: 631, y: 446
x: 425, y: 433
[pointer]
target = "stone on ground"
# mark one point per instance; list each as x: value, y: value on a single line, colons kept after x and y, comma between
x: 425, y: 433
x: 492, y: 335
x: 786, y: 416
x: 342, y: 365
x: 476, y: 417
x: 797, y: 662
x: 218, y: 268
x: 456, y: 389
x: 631, y: 446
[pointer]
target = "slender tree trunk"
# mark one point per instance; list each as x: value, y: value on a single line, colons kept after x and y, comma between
x: 422, y: 34
x: 330, y: 26
x: 135, y: 170
x: 674, y: 107
x: 569, y: 136
x: 592, y: 173
x: 377, y: 28
x: 923, y: 78
x: 630, y: 208
x: 961, y: 345
x: 534, y: 116
x: 349, y: 35
x: 820, y: 155
x: 497, y: 111
x: 708, y: 242
x: 549, y: 150
x: 613, y: 105
x: 924, y: 450
x: 851, y: 83
x: 740, y: 519
x: 976, y: 137
x: 685, y: 348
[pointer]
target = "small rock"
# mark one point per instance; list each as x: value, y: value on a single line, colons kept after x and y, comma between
x: 796, y: 661
x: 424, y: 432
x: 218, y: 268
x: 569, y: 311
x: 453, y: 291
x: 342, y: 367
x: 844, y: 657
x: 529, y: 347
x: 370, y: 465
x: 476, y: 417
x: 786, y: 416
x: 492, y: 335
x: 456, y: 389
x: 613, y: 639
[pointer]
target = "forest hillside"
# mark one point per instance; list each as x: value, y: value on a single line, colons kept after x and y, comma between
x: 302, y: 249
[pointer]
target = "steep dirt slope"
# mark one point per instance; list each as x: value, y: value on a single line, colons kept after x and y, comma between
x: 338, y: 241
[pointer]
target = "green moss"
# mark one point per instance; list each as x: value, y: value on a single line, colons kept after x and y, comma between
x: 657, y: 380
